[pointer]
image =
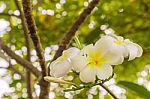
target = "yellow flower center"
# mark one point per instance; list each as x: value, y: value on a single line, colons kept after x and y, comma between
x: 63, y: 57
x: 119, y: 42
x: 96, y: 60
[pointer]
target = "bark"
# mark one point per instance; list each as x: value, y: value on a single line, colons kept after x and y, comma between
x: 27, y: 8
x: 28, y: 45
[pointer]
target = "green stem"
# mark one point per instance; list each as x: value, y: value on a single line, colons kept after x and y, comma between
x: 77, y: 88
x: 77, y: 42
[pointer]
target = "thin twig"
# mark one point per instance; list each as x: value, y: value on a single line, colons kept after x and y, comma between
x: 13, y: 69
x: 70, y: 34
x: 146, y: 52
x: 16, y: 71
x: 28, y: 45
x: 77, y: 42
x: 7, y: 14
x: 27, y: 8
x: 26, y: 64
x: 108, y: 90
x: 7, y: 58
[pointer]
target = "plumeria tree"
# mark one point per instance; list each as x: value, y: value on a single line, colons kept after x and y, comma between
x: 98, y: 59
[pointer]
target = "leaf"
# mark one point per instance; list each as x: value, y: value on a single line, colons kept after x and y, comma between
x: 93, y: 35
x: 135, y: 89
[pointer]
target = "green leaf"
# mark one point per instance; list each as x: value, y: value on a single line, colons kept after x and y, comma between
x: 135, y: 89
x: 93, y: 35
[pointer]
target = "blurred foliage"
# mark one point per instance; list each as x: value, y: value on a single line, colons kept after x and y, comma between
x: 128, y: 18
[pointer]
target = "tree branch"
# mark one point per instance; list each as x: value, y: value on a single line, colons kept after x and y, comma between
x: 27, y: 7
x: 70, y: 34
x: 146, y: 52
x: 28, y: 45
x: 21, y: 61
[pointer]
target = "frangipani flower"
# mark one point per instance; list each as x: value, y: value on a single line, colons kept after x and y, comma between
x: 96, y: 60
x: 61, y: 66
x: 128, y: 48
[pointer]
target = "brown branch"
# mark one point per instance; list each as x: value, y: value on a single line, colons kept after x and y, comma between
x: 146, y: 52
x: 28, y: 45
x: 70, y: 34
x: 27, y: 7
x: 26, y: 64
x: 7, y: 14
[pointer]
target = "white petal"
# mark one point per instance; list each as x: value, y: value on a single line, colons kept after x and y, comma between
x: 121, y: 47
x: 59, y: 69
x: 104, y: 44
x: 87, y: 50
x: 104, y: 72
x: 79, y: 62
x: 88, y: 74
x: 120, y: 38
x: 140, y: 50
x: 132, y: 51
x: 71, y: 52
x: 114, y: 56
x: 124, y: 50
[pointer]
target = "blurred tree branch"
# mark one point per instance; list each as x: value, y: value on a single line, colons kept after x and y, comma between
x: 13, y: 69
x: 7, y: 14
x: 16, y: 71
x: 7, y: 58
x: 28, y: 45
x: 44, y: 86
x: 146, y: 52
x: 21, y: 61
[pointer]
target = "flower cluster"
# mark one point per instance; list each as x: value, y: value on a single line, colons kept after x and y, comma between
x: 96, y: 60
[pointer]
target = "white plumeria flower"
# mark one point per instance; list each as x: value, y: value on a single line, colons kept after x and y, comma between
x: 128, y: 48
x: 96, y: 60
x: 61, y: 66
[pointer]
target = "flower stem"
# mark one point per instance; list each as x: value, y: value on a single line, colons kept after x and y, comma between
x: 108, y: 90
x: 77, y: 42
x: 57, y: 80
